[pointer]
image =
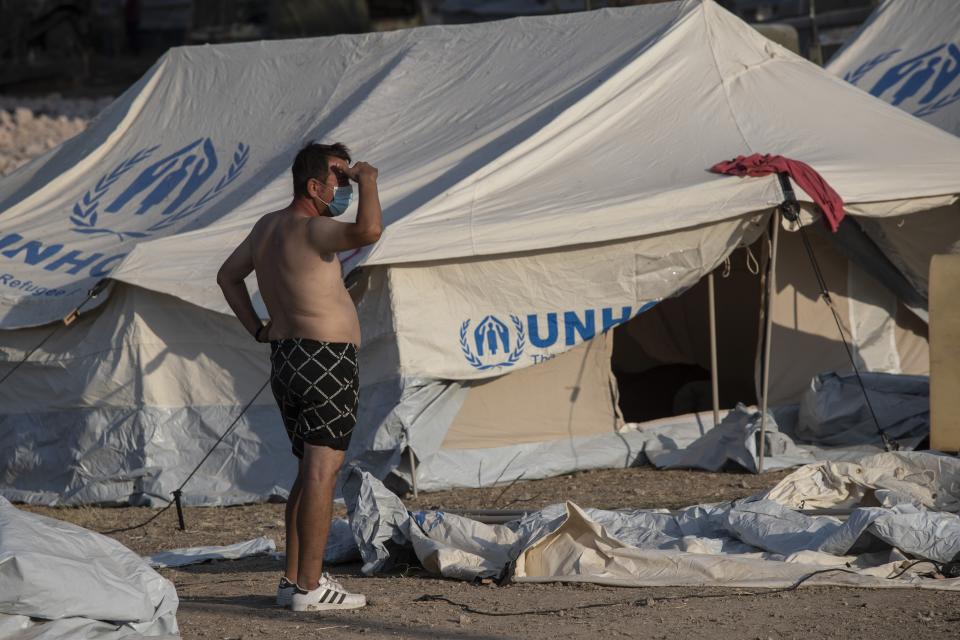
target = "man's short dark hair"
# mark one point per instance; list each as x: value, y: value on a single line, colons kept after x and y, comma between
x: 311, y: 162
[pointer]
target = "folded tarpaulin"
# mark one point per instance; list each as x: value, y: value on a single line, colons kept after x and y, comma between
x: 734, y: 441
x: 755, y: 542
x: 196, y: 555
x: 76, y: 583
x: 804, y: 175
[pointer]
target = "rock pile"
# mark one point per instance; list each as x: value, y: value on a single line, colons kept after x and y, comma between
x: 30, y: 127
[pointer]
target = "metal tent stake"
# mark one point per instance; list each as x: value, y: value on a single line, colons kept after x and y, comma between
x: 413, y: 471
x: 176, y: 499
x: 768, y: 333
x: 714, y: 374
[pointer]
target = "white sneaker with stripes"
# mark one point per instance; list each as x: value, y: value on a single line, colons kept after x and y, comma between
x: 285, y: 592
x: 328, y: 596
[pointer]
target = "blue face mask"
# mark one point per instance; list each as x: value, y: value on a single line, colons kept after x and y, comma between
x: 342, y: 198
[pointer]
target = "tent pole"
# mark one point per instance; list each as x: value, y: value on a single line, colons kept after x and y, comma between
x: 413, y: 471
x: 768, y: 331
x: 714, y: 375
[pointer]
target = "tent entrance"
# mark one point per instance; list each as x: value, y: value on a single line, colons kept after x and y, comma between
x: 661, y: 358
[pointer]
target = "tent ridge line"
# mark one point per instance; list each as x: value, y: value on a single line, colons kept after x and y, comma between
x: 723, y: 82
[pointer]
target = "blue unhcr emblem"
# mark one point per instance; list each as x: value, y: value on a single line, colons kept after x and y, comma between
x: 167, y: 185
x: 491, y: 340
x: 928, y: 77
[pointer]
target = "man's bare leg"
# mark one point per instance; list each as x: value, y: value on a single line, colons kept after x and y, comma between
x: 318, y: 478
x: 293, y: 538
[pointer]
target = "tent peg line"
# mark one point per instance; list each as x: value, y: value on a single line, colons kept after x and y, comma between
x: 68, y: 320
x: 791, y: 211
x: 178, y: 492
x: 947, y: 569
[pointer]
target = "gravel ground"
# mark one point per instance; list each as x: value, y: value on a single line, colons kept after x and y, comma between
x: 30, y: 127
x: 235, y: 599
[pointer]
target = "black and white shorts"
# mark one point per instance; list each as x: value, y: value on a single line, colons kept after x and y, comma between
x: 316, y: 385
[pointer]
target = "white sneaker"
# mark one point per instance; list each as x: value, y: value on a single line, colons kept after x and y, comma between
x: 285, y: 592
x: 329, y: 595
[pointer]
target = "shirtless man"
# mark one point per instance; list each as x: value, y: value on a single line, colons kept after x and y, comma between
x: 314, y: 335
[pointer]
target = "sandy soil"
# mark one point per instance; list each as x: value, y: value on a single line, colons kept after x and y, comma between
x: 236, y: 599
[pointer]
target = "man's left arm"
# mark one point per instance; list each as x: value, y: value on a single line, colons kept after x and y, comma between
x: 230, y: 278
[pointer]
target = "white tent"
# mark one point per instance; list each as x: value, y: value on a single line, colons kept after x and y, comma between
x: 544, y: 180
x: 908, y: 54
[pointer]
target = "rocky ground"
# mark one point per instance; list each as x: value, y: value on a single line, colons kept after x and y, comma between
x: 30, y: 127
x: 234, y: 599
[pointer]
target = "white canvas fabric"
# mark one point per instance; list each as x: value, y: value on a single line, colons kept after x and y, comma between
x: 508, y: 152
x: 502, y: 168
x: 761, y: 541
x: 908, y: 54
x: 194, y: 555
x: 58, y: 580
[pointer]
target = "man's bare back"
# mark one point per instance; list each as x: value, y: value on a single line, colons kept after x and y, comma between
x: 302, y: 289
x: 294, y: 252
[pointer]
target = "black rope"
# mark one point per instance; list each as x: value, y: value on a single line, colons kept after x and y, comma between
x: 947, y: 569
x: 67, y: 321
x: 642, y: 602
x: 791, y: 211
x: 178, y: 491
x: 938, y: 566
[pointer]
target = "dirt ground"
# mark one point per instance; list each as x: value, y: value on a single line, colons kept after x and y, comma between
x: 235, y: 599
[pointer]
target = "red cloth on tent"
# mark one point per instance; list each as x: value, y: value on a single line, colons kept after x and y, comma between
x: 803, y: 174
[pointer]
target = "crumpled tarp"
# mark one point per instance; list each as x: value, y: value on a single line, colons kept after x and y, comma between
x: 760, y: 541
x: 581, y: 550
x: 735, y: 440
x: 196, y: 555
x: 834, y: 412
x: 58, y: 580
x: 340, y: 548
x: 929, y: 480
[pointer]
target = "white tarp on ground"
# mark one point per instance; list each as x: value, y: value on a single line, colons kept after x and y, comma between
x: 58, y: 580
x: 835, y: 410
x: 735, y: 441
x: 897, y: 503
x: 196, y: 555
x: 522, y: 145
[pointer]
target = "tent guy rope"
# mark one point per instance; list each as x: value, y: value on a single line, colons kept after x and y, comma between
x: 68, y: 320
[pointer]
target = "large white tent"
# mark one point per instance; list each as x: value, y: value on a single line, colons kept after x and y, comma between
x: 544, y: 180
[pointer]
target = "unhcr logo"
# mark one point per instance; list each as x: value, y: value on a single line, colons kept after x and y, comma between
x: 156, y: 193
x: 929, y: 77
x: 494, y: 343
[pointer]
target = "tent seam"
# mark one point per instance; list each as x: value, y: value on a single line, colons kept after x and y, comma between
x: 723, y: 83
x: 723, y: 86
x: 473, y: 206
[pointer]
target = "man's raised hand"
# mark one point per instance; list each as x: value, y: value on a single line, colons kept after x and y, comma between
x: 360, y: 171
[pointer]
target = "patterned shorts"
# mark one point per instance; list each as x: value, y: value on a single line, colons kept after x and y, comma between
x: 316, y: 385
